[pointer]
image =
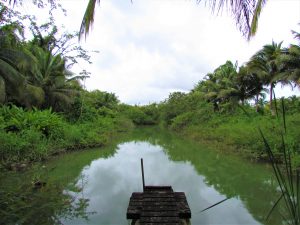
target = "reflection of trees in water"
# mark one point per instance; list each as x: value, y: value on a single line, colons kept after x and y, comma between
x: 254, y: 184
x: 23, y: 202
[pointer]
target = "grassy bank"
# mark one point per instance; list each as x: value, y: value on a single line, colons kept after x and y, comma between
x: 34, y: 135
x: 234, y: 127
x: 241, y: 134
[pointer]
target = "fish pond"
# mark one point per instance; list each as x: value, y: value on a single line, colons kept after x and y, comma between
x: 94, y: 186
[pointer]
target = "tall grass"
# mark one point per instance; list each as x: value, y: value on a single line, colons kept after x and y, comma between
x: 288, y: 178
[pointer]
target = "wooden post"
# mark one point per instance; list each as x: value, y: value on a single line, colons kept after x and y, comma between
x: 142, y: 165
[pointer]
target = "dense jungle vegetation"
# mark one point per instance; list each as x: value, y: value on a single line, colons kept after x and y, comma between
x: 45, y: 109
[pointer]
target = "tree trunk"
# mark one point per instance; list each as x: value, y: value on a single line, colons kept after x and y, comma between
x: 256, y: 102
x: 271, y: 99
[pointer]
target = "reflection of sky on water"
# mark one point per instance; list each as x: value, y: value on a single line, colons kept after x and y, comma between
x: 108, y: 183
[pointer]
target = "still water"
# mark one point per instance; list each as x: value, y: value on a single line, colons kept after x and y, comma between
x: 103, y: 179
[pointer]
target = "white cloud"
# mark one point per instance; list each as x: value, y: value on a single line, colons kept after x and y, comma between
x: 150, y: 48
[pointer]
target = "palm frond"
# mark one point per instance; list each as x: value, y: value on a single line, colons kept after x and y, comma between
x: 34, y: 95
x: 245, y: 13
x: 254, y: 24
x: 2, y: 90
x: 88, y: 18
x: 78, y: 78
x: 296, y: 34
x: 12, y: 77
x: 14, y: 2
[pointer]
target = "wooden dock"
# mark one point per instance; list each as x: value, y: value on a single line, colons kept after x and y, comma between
x: 158, y: 205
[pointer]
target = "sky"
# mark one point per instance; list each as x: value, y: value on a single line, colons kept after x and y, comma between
x: 150, y: 48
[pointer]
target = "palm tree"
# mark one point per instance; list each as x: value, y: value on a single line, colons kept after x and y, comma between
x: 14, y: 60
x: 249, y: 85
x: 220, y: 86
x: 245, y: 13
x: 209, y: 88
x: 265, y: 64
x: 53, y: 82
x: 290, y: 60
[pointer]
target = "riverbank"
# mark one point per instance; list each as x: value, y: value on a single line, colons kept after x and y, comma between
x: 36, y: 135
x: 240, y: 134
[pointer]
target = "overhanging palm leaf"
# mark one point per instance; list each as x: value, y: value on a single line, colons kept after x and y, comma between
x: 33, y: 96
x: 245, y: 13
x: 256, y: 14
x: 88, y: 18
x: 14, y: 81
x: 2, y: 90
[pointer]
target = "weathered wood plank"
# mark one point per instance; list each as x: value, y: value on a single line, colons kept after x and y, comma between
x: 158, y: 205
x: 159, y: 214
x: 164, y: 223
x: 136, y: 203
x: 158, y: 195
x: 159, y: 219
x: 159, y: 208
x: 171, y: 204
x: 158, y: 200
x: 149, y: 187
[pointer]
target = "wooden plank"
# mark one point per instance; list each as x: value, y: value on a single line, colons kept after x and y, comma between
x: 151, y: 187
x: 159, y: 219
x: 158, y: 205
x: 159, y: 208
x: 158, y: 195
x: 164, y: 223
x: 136, y: 204
x: 171, y: 204
x: 158, y: 189
x: 158, y: 200
x: 159, y: 214
x: 133, y: 216
x: 133, y: 213
x: 137, y: 195
x: 179, y: 195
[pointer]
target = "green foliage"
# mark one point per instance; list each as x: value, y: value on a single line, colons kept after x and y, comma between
x: 46, y: 122
x: 94, y: 104
x: 231, y: 126
x: 139, y: 115
x: 182, y: 120
x: 152, y: 112
x: 98, y: 99
x: 292, y: 104
x: 36, y: 72
x: 179, y: 103
x: 35, y: 135
x: 287, y: 177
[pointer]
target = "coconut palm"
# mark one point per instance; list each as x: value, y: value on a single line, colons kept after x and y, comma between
x: 13, y: 62
x: 290, y: 60
x: 245, y: 13
x: 220, y: 86
x: 53, y: 82
x: 249, y: 85
x: 265, y: 64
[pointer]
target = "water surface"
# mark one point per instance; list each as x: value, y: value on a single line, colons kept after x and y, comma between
x: 103, y: 179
